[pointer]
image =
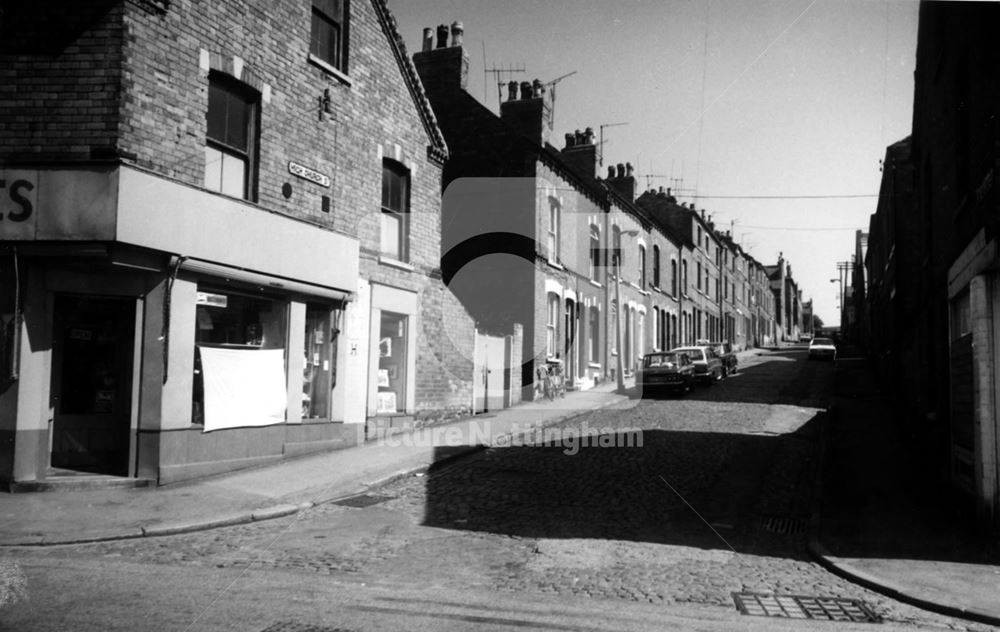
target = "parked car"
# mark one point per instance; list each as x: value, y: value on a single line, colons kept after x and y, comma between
x: 822, y: 349
x: 666, y: 370
x: 725, y: 352
x: 707, y: 364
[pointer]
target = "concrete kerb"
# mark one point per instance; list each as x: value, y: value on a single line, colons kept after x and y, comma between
x: 852, y: 574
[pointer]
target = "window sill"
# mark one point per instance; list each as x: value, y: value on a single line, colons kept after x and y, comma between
x: 330, y: 70
x: 595, y: 283
x: 593, y: 365
x: 555, y: 264
x: 395, y: 263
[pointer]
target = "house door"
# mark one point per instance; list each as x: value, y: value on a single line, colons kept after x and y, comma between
x: 92, y: 356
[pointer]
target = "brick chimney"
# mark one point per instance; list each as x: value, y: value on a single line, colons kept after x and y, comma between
x: 443, y: 67
x: 580, y: 153
x: 622, y: 180
x: 528, y: 109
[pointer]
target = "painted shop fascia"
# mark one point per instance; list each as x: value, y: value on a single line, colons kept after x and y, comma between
x: 134, y: 329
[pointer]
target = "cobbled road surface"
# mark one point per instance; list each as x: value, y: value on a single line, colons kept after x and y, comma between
x: 548, y: 532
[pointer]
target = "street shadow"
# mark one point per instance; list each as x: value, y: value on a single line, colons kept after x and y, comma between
x: 881, y: 497
x: 748, y: 492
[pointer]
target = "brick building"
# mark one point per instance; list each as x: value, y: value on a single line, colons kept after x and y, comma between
x: 534, y: 236
x: 932, y: 254
x: 700, y: 256
x: 220, y: 238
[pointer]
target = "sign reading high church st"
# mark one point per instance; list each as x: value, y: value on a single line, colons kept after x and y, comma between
x: 306, y: 173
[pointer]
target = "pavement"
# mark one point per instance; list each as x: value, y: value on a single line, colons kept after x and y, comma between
x: 97, y: 512
x: 890, y: 523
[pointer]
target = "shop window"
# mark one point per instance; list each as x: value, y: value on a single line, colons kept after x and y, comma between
x: 319, y: 373
x: 231, y: 141
x: 229, y: 320
x: 328, y: 41
x: 395, y: 210
x: 392, y: 377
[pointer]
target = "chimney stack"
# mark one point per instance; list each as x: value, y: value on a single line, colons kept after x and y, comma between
x: 531, y: 114
x: 622, y: 180
x: 443, y: 67
x: 581, y: 155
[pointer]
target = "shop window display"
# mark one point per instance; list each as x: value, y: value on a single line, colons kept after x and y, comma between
x: 238, y: 322
x: 391, y: 378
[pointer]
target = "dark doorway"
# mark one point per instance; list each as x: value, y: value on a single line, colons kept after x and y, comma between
x: 92, y: 357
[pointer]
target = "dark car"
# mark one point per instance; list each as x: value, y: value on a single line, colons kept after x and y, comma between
x: 730, y: 362
x: 707, y: 365
x: 666, y: 370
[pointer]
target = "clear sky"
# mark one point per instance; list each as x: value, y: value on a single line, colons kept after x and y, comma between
x: 738, y: 98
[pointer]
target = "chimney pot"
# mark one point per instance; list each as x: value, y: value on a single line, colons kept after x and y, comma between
x: 525, y: 90
x: 590, y: 135
x: 580, y: 140
x: 428, y: 39
x: 570, y: 139
x: 512, y: 91
x: 442, y: 36
x: 537, y: 88
x: 628, y: 169
x: 661, y: 190
x: 621, y: 170
x: 457, y: 32
x: 668, y: 190
x: 611, y: 172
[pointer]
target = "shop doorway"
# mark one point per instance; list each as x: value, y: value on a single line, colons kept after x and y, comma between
x: 92, y: 357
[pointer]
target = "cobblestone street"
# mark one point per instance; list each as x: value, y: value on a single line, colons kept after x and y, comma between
x: 716, y: 500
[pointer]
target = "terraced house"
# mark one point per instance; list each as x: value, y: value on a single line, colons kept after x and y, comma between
x: 221, y: 237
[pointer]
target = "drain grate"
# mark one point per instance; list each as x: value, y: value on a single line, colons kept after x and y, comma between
x: 784, y: 526
x: 802, y: 607
x: 295, y: 626
x: 362, y: 500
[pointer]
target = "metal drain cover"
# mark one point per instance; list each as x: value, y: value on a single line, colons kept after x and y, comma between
x: 362, y: 500
x: 295, y: 626
x: 782, y: 525
x: 803, y: 607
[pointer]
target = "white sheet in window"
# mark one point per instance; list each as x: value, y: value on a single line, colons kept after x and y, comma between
x: 243, y: 387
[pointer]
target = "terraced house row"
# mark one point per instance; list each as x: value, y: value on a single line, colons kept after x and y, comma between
x: 238, y: 231
x: 596, y: 274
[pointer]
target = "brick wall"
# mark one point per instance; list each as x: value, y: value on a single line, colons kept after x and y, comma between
x: 60, y: 80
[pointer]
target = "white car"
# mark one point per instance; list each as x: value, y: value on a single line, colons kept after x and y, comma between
x: 822, y: 349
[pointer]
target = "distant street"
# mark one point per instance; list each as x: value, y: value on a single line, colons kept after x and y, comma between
x: 717, y: 500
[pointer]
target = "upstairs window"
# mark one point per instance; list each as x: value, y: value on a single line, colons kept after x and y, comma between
x: 673, y: 277
x: 231, y: 140
x: 656, y: 266
x: 554, y: 221
x: 616, y: 248
x: 395, y: 211
x: 642, y: 267
x: 328, y: 42
x: 595, y: 252
x: 697, y: 278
